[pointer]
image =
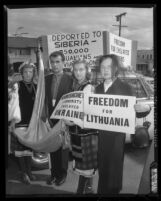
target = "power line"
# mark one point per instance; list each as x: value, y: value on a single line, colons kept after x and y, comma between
x: 118, y: 18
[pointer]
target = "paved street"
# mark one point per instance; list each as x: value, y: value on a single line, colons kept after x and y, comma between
x: 133, y: 169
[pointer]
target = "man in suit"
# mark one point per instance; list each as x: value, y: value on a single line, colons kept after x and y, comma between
x: 56, y: 85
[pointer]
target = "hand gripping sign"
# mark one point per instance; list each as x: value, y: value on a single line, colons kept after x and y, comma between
x: 102, y: 112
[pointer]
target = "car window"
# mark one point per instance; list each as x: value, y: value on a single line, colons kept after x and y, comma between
x: 148, y: 88
x: 137, y: 87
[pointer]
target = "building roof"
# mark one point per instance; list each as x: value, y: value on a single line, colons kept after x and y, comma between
x: 22, y: 42
x: 140, y: 52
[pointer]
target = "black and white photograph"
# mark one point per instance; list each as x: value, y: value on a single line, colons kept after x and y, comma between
x: 81, y: 101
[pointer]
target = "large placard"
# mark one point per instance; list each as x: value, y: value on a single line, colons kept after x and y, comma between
x: 89, y: 45
x: 84, y: 45
x: 121, y: 47
x: 100, y: 111
x: 110, y: 112
x: 70, y: 107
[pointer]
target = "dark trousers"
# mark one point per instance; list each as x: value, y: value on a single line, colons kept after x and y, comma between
x: 25, y: 164
x: 59, y: 159
x: 59, y: 162
x: 83, y: 183
x: 110, y: 162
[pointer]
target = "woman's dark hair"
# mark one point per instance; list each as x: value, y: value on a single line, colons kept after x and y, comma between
x: 57, y: 53
x: 117, y: 66
x: 88, y: 74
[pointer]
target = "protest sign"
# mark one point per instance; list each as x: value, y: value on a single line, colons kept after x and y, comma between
x: 89, y: 45
x: 121, y: 47
x: 70, y: 107
x: 102, y: 112
x: 84, y: 45
x: 110, y: 112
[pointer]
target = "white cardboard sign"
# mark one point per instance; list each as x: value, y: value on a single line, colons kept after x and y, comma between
x: 84, y: 45
x: 70, y: 107
x: 121, y: 47
x: 110, y: 112
x: 101, y: 111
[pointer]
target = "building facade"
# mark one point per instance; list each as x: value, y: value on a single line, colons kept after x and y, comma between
x: 145, y: 62
x: 21, y: 49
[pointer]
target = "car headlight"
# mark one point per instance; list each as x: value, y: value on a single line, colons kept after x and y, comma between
x: 141, y: 137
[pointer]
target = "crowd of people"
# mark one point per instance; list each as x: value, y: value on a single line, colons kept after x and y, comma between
x: 91, y: 149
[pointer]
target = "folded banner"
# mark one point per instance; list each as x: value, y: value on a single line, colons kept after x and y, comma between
x: 38, y: 135
x: 41, y: 139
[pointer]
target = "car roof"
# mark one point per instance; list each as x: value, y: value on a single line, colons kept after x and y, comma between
x: 132, y: 75
x: 128, y: 74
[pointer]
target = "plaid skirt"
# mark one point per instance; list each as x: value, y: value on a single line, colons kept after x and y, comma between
x: 17, y: 147
x: 84, y: 151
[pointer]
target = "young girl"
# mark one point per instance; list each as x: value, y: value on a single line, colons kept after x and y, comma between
x: 83, y: 141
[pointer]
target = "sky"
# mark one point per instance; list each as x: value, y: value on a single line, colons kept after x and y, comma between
x: 46, y: 21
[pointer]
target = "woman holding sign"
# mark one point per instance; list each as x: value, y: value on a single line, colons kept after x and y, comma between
x: 83, y: 141
x: 111, y: 144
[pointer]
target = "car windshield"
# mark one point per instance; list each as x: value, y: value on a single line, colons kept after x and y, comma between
x: 140, y: 87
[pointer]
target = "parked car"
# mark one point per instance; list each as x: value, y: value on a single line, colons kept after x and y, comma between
x: 150, y: 80
x: 144, y: 93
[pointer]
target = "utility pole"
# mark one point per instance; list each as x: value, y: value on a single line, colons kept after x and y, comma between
x: 118, y: 18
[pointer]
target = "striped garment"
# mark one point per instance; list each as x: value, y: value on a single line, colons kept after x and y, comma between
x: 84, y: 150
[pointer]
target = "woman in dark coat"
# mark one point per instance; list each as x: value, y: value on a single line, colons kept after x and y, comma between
x: 111, y: 144
x: 26, y: 98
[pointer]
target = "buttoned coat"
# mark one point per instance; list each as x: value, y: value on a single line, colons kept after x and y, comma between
x: 111, y: 147
x: 59, y: 159
x: 64, y: 87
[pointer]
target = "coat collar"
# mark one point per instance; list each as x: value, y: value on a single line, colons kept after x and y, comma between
x: 111, y: 88
x: 77, y: 86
